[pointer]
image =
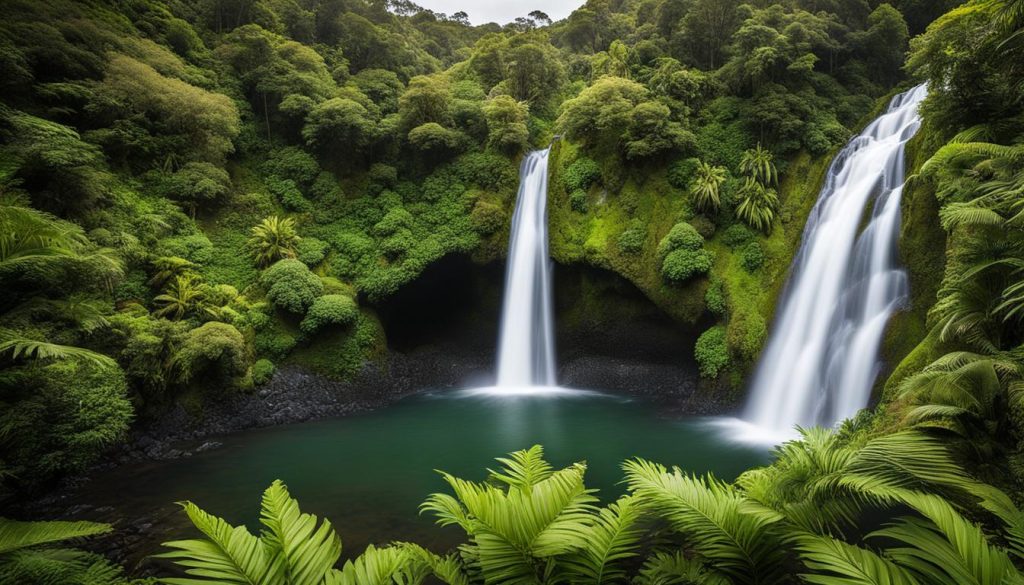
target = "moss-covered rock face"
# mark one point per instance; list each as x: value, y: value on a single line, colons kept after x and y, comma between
x: 648, y: 231
x: 908, y: 347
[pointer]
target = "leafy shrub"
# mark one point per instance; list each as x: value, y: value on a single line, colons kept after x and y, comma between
x: 294, y: 164
x: 681, y: 172
x: 737, y: 235
x: 288, y: 193
x: 486, y: 170
x: 581, y: 174
x: 69, y: 412
x: 274, y: 342
x: 632, y: 239
x: 683, y: 264
x: 715, y: 298
x: 704, y: 226
x: 262, y: 371
x: 195, y: 248
x: 216, y: 348
x: 712, y: 352
x: 578, y: 201
x: 747, y: 332
x: 329, y: 310
x: 382, y: 177
x: 312, y: 251
x: 753, y: 256
x: 487, y: 217
x: 682, y: 236
x: 395, y: 220
x: 291, y: 286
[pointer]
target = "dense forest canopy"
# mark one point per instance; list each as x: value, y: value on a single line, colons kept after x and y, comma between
x: 195, y: 192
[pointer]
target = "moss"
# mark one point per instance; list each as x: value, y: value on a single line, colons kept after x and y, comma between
x: 923, y: 254
x: 262, y: 371
x: 342, y: 353
x: 712, y: 352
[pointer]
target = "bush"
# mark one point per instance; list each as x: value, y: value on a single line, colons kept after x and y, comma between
x: 632, y: 239
x: 288, y: 193
x: 312, y: 251
x: 329, y: 310
x: 683, y: 264
x: 293, y: 163
x: 396, y: 219
x: 581, y: 174
x: 753, y: 256
x: 216, y: 348
x: 712, y: 352
x: 262, y: 371
x: 681, y: 172
x: 274, y: 342
x: 715, y: 298
x: 195, y: 248
x: 682, y: 236
x: 747, y: 332
x: 487, y: 217
x: 291, y: 286
x: 578, y: 201
x: 704, y: 226
x: 736, y: 235
x: 70, y: 412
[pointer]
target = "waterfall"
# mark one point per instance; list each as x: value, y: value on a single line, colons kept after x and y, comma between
x: 526, y: 348
x: 821, y: 360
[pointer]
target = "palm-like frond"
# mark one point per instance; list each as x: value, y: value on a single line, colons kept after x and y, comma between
x: 394, y: 565
x: 706, y: 187
x: 838, y: 563
x: 523, y: 469
x: 228, y: 554
x: 945, y: 547
x: 273, y: 239
x: 758, y: 164
x: 305, y: 552
x: 16, y: 535
x: 731, y: 533
x: 675, y: 569
x: 514, y: 532
x: 757, y: 208
x: 20, y: 346
x: 613, y: 538
x: 59, y: 566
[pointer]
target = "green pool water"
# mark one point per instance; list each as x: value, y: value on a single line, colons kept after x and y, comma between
x: 369, y: 473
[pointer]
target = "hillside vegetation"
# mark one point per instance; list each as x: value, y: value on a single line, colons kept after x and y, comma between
x: 196, y: 192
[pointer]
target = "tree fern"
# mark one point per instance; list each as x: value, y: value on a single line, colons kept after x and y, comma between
x: 675, y: 569
x: 613, y: 538
x: 305, y: 552
x: 838, y: 563
x: 733, y: 534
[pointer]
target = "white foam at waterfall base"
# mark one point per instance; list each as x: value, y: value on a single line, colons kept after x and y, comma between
x: 821, y: 359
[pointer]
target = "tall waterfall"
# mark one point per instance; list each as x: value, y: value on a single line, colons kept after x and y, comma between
x: 822, y: 355
x: 526, y: 348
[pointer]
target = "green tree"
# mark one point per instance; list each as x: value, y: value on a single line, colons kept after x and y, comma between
x: 339, y: 123
x: 757, y: 205
x: 759, y: 164
x: 506, y: 123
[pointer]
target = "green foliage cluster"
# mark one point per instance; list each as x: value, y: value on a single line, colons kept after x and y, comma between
x: 530, y: 523
x: 711, y: 352
x: 291, y: 286
x: 683, y: 253
x: 329, y: 310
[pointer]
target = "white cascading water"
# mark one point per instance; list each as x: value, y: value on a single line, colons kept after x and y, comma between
x: 526, y: 347
x: 821, y: 360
